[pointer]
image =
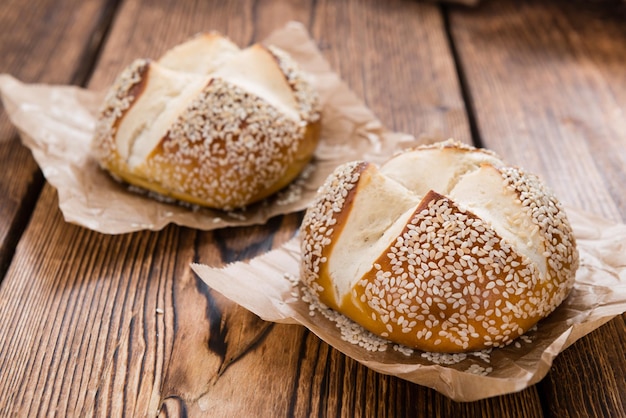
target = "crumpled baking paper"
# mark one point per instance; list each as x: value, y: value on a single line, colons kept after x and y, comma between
x: 262, y: 285
x: 57, y: 124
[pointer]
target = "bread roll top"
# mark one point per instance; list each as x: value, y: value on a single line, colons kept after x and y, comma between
x: 209, y: 123
x: 444, y: 248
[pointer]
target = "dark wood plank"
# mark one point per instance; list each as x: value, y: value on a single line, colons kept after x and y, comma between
x: 42, y: 41
x: 587, y: 380
x: 72, y: 325
x: 548, y: 87
x: 548, y: 90
x: 395, y: 56
x: 177, y: 22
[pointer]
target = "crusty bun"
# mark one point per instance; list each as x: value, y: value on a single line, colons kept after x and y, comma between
x: 210, y: 124
x: 444, y: 248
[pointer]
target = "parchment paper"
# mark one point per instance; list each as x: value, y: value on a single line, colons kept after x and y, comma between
x: 57, y: 124
x: 599, y: 294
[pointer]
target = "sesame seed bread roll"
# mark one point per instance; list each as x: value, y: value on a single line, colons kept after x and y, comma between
x: 209, y: 123
x: 444, y: 248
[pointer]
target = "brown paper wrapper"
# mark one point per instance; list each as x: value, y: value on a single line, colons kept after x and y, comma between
x: 57, y: 124
x: 262, y: 286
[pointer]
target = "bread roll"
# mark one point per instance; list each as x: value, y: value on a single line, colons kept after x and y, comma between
x: 210, y: 124
x: 444, y: 248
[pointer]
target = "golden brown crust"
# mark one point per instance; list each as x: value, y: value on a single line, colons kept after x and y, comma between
x: 447, y: 280
x: 322, y: 225
x: 226, y: 149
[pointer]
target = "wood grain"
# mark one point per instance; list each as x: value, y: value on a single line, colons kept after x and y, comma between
x: 395, y: 55
x: 587, y: 380
x: 548, y: 89
x: 548, y: 86
x: 177, y: 22
x: 42, y: 41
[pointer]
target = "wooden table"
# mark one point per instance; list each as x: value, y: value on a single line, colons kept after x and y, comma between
x: 541, y: 83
